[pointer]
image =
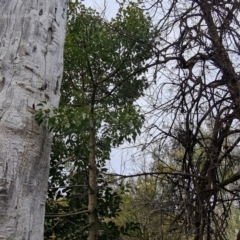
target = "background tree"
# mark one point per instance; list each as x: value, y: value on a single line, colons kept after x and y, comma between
x: 150, y: 203
x: 31, y: 53
x: 103, y: 77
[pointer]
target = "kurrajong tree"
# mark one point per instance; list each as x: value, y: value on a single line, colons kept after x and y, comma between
x: 103, y: 76
x: 196, y: 90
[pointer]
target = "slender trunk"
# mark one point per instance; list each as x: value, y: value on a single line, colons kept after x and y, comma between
x: 31, y: 61
x: 92, y: 192
x: 200, y: 210
x: 198, y: 221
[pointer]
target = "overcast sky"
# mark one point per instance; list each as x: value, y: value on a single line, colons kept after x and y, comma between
x: 111, y: 6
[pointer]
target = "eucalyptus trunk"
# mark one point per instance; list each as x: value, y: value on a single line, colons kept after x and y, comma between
x: 32, y: 36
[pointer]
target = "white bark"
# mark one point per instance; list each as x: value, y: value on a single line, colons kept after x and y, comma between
x: 32, y: 35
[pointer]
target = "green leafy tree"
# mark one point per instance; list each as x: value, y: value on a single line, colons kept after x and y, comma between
x: 104, y: 72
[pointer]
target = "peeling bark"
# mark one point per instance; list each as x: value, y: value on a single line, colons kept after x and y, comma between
x: 31, y: 62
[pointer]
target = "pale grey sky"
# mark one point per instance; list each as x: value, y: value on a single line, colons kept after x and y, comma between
x: 99, y: 5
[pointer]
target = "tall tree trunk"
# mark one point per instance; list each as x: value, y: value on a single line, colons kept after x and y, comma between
x: 32, y: 36
x: 92, y: 194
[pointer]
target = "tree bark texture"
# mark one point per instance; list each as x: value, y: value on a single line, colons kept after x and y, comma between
x: 32, y: 36
x: 92, y: 194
